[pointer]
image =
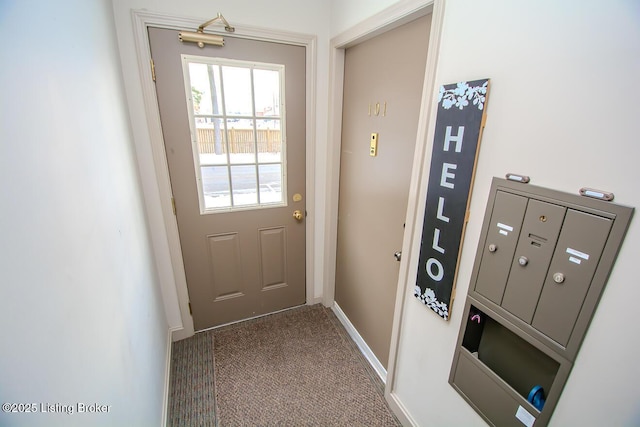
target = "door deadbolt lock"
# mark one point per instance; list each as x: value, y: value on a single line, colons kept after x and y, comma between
x: 558, y: 278
x: 523, y: 260
x: 297, y: 214
x: 398, y: 255
x: 493, y: 248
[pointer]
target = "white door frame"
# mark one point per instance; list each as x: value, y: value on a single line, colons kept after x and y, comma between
x: 169, y: 264
x: 388, y: 19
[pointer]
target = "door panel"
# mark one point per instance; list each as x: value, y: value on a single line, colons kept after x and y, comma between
x: 273, y: 257
x: 230, y: 270
x: 502, y: 238
x: 374, y: 190
x: 575, y: 258
x: 540, y: 230
x: 226, y: 269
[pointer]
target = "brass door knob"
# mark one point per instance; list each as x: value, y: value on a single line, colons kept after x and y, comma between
x: 297, y: 214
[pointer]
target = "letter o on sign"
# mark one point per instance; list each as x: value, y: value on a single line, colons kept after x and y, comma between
x: 430, y: 263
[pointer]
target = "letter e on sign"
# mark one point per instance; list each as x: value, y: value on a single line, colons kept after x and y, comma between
x: 447, y: 175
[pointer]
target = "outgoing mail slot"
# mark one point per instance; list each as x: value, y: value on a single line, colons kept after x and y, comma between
x: 574, y: 262
x: 537, y: 242
x: 500, y: 244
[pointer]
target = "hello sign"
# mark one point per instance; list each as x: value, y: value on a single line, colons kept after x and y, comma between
x: 459, y: 123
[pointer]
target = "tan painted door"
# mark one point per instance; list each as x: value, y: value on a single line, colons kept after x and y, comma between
x: 382, y: 91
x: 233, y: 120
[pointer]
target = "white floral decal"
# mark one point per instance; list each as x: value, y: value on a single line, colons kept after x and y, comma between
x: 429, y: 299
x: 462, y: 94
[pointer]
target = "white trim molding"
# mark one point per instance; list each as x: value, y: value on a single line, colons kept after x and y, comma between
x: 362, y: 345
x: 152, y: 163
x: 167, y: 380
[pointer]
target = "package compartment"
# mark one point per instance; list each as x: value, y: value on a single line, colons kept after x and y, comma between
x: 491, y: 399
x: 518, y: 363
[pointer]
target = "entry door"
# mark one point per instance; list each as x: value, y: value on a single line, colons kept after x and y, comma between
x: 382, y: 92
x: 233, y: 120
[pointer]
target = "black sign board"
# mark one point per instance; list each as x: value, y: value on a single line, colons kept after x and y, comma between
x: 459, y: 123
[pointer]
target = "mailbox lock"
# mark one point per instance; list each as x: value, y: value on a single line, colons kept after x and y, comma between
x: 523, y: 260
x: 493, y: 248
x: 558, y: 278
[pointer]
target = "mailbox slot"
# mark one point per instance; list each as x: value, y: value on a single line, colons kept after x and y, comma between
x: 500, y: 245
x: 530, y: 264
x: 578, y: 252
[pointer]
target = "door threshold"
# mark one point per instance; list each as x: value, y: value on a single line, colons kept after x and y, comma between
x: 249, y: 318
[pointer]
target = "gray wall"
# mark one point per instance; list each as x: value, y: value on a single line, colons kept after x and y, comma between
x: 81, y: 313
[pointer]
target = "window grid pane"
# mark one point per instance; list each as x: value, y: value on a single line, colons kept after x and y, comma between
x: 244, y: 185
x: 215, y: 185
x: 211, y: 140
x: 270, y: 177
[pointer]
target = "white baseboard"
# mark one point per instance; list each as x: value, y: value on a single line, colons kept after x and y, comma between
x: 167, y: 380
x: 399, y: 410
x: 180, y: 333
x: 364, y: 348
x: 314, y: 301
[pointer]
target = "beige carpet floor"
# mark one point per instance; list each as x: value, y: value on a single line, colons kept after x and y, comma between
x: 294, y: 368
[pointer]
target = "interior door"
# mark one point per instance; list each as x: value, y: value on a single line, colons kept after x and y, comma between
x: 383, y: 82
x: 233, y: 121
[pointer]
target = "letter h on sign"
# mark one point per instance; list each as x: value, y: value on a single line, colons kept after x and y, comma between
x: 461, y: 107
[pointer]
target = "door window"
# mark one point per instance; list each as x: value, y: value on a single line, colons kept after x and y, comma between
x: 236, y: 113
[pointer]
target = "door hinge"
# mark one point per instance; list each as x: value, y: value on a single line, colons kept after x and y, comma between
x: 173, y: 205
x: 190, y: 311
x: 153, y: 70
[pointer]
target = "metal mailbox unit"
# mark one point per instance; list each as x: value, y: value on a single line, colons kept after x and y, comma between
x: 542, y: 262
